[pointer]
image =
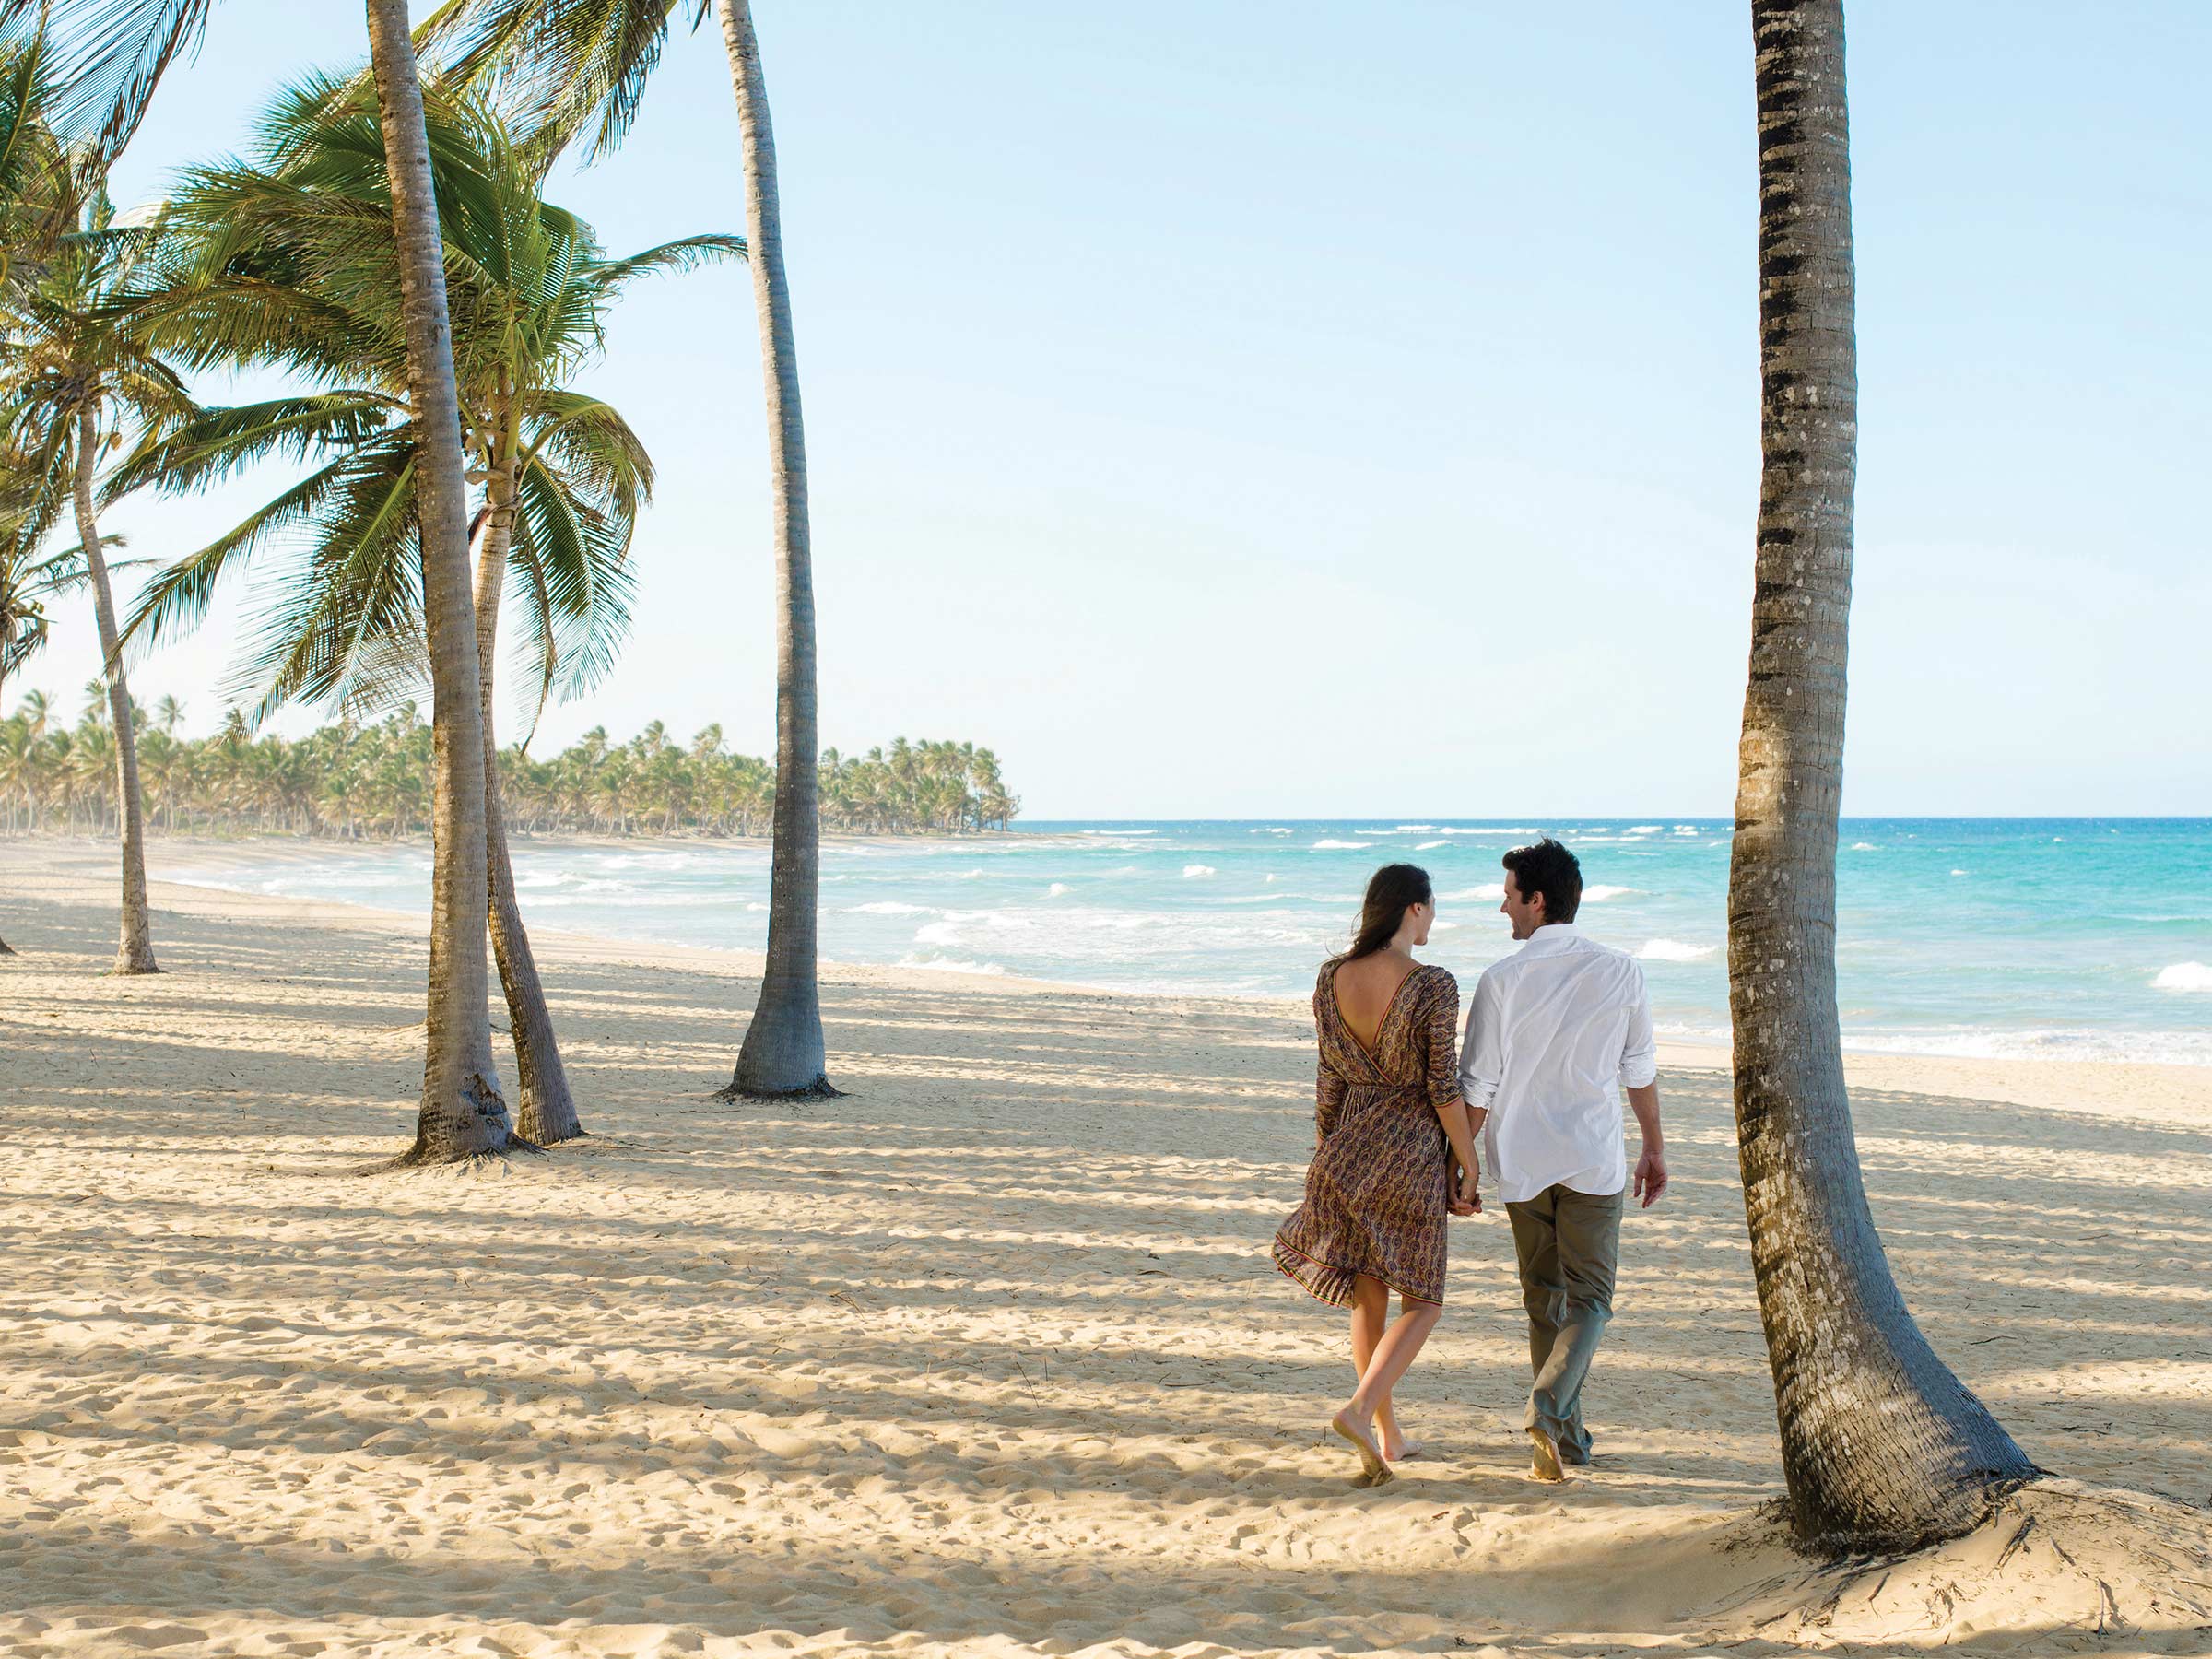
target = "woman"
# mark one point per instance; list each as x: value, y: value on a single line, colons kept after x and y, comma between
x: 1389, y: 1129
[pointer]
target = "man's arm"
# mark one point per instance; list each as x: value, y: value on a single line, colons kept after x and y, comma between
x: 1651, y: 1169
x: 1640, y: 1076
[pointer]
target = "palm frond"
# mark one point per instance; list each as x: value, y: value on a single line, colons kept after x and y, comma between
x: 108, y: 57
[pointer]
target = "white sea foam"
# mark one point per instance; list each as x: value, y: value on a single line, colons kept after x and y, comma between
x: 2183, y: 976
x: 1441, y: 926
x: 1517, y: 830
x: 943, y: 964
x: 1957, y: 872
x: 1432, y: 846
x: 1600, y: 892
x: 1490, y: 889
x: 1337, y: 846
x: 938, y: 932
x: 1686, y: 828
x: 1983, y: 1042
x: 1673, y: 950
x: 892, y: 907
x: 1413, y: 829
x: 1198, y: 872
x: 1864, y: 847
x: 1644, y: 829
x: 1117, y: 832
x: 1058, y: 889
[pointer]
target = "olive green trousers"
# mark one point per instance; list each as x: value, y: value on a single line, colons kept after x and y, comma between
x: 1569, y: 1244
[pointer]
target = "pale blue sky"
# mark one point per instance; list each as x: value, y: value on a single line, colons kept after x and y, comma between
x: 1227, y: 409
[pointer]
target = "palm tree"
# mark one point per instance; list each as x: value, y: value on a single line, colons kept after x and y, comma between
x: 288, y: 259
x: 573, y: 66
x: 76, y: 377
x: 1882, y: 1446
x: 112, y: 56
x: 463, y: 1112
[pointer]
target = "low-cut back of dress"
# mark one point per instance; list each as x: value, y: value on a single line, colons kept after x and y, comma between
x: 1378, y: 1192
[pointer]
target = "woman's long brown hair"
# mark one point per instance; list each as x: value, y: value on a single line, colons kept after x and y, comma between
x: 1391, y: 891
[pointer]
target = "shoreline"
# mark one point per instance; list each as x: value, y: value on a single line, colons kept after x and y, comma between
x: 2149, y: 1091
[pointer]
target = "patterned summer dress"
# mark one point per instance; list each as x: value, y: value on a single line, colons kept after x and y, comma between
x: 1378, y: 1192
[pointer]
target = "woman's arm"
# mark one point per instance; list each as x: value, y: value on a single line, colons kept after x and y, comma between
x: 1442, y: 1071
x: 1328, y: 1087
x: 1328, y: 1101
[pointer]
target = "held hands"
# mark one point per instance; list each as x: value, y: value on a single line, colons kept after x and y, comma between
x: 1467, y: 1195
x: 1650, y: 1176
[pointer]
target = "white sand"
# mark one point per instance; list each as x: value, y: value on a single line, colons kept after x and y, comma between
x: 985, y: 1358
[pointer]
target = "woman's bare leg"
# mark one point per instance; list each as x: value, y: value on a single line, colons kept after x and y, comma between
x: 1370, y: 1316
x: 1394, y: 1352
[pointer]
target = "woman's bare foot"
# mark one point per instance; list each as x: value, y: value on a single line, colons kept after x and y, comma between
x: 1349, y: 1424
x: 1397, y: 1448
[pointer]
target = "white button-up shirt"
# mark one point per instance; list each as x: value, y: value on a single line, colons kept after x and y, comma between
x: 1555, y: 1032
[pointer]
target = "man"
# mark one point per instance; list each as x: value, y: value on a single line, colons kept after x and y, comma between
x: 1555, y: 1032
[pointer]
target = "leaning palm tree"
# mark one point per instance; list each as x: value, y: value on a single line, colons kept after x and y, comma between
x: 1882, y: 1447
x: 110, y: 55
x: 573, y: 67
x: 78, y: 377
x: 288, y: 259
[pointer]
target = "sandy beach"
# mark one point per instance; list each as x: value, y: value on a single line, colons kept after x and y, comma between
x: 985, y: 1358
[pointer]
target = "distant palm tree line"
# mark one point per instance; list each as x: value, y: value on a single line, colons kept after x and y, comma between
x: 372, y: 781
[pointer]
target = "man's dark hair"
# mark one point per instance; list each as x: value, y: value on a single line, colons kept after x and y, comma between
x: 1548, y: 868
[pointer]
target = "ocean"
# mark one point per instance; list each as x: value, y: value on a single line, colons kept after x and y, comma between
x: 2056, y: 938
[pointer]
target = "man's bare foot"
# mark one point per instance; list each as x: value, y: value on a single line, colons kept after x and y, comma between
x: 1347, y: 1424
x: 1544, y: 1464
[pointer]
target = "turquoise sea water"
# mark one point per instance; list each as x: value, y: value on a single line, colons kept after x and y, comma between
x: 2077, y: 939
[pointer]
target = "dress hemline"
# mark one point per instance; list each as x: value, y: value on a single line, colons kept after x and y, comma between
x: 1344, y: 1297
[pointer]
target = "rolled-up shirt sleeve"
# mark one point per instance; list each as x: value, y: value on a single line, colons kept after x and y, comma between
x: 1640, y: 1050
x: 1482, y: 1054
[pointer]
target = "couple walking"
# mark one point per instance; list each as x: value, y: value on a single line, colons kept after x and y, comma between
x: 1555, y: 1033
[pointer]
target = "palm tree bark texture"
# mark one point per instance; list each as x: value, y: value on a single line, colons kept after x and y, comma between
x: 783, y: 1054
x: 463, y: 1114
x: 1882, y: 1447
x: 134, y: 946
x: 546, y: 1111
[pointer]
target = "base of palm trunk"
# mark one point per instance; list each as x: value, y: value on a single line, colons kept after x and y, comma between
x: 820, y: 1089
x: 4, y: 949
x: 420, y: 1158
x: 530, y: 1127
x: 130, y: 964
x: 1960, y: 1510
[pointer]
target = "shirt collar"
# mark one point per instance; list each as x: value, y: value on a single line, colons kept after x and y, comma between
x: 1551, y: 936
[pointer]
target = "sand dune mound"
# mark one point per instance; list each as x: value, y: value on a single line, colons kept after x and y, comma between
x: 2058, y: 1559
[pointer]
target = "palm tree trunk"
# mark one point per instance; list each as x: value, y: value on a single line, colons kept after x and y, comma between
x: 1883, y: 1448
x: 462, y: 1113
x: 134, y: 947
x: 548, y: 1112
x: 783, y: 1053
